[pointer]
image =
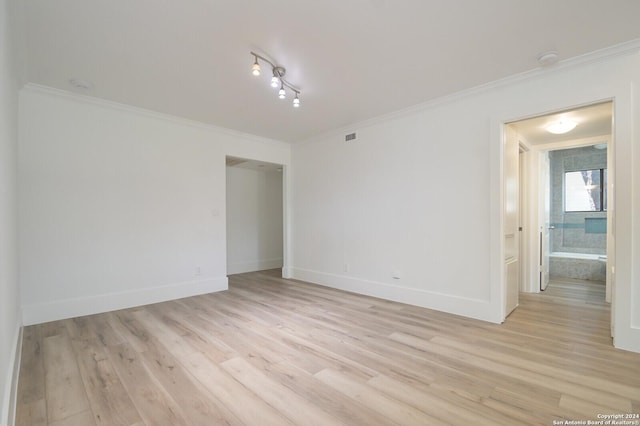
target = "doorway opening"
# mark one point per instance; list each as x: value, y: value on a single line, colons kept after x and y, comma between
x: 254, y: 215
x: 566, y: 189
x: 577, y: 238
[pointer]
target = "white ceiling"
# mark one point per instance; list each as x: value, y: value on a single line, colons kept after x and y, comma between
x: 352, y: 59
x: 592, y: 120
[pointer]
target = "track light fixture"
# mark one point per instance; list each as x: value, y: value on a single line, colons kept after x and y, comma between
x: 278, y: 79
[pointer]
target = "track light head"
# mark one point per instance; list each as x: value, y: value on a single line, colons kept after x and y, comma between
x: 281, y: 93
x: 275, y: 81
x: 255, y: 69
x: 296, y: 101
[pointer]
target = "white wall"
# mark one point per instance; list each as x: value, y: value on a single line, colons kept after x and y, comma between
x: 254, y: 220
x: 418, y: 194
x: 120, y: 207
x: 10, y: 75
x: 400, y: 198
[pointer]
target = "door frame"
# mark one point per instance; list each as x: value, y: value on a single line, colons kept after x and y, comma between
x: 535, y: 201
x: 524, y: 214
x: 622, y: 90
x: 499, y: 289
x: 286, y: 210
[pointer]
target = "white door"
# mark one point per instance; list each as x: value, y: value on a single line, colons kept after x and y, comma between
x: 545, y: 215
x: 511, y: 219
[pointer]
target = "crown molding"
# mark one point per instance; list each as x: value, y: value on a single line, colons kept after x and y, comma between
x: 623, y: 49
x: 103, y: 103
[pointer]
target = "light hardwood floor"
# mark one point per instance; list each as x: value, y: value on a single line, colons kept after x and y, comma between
x: 280, y: 352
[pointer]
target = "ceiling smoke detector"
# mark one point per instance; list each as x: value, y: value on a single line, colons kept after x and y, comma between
x: 546, y: 59
x: 81, y: 84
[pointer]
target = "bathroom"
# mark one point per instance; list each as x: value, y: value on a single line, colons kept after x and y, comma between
x: 578, y: 213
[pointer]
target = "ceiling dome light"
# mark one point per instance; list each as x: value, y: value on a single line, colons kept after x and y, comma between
x: 561, y: 127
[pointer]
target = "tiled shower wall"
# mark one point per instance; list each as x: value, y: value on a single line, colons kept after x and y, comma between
x: 571, y: 232
x: 575, y: 232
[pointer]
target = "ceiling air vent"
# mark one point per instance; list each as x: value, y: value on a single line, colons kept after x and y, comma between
x: 350, y: 137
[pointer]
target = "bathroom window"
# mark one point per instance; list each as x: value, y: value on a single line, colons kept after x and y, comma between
x: 585, y: 191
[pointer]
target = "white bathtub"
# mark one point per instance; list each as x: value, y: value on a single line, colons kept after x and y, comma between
x: 583, y: 266
x: 568, y: 255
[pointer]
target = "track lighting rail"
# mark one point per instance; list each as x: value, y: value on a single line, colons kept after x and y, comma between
x: 278, y: 78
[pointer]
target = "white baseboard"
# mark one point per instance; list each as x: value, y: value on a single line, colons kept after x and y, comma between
x: 257, y: 265
x: 70, y: 308
x: 467, y: 307
x: 8, y: 407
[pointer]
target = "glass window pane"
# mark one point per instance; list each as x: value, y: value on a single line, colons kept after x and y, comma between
x: 582, y: 191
